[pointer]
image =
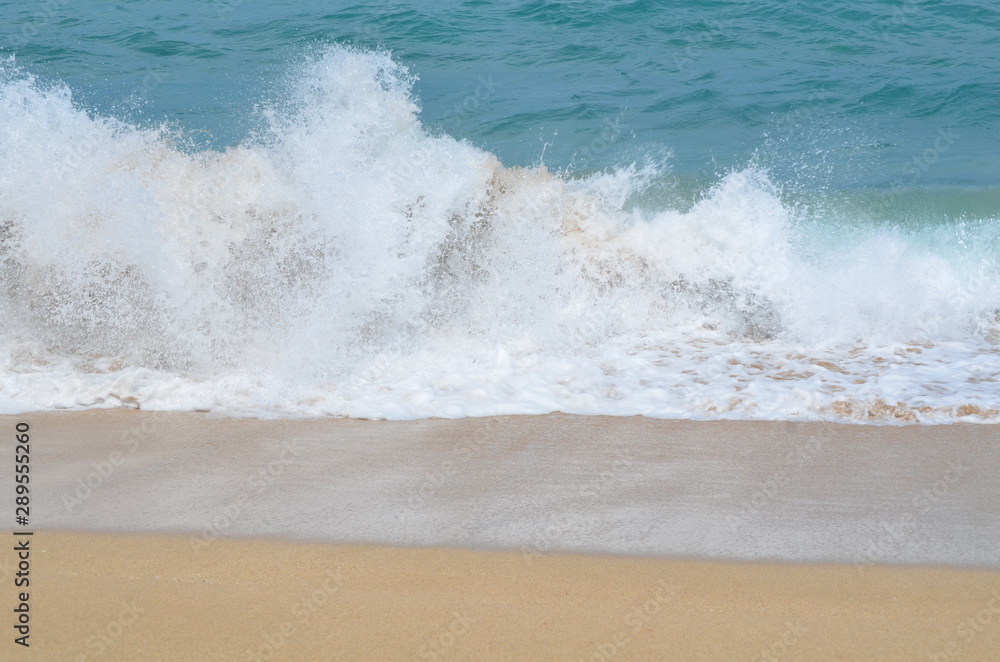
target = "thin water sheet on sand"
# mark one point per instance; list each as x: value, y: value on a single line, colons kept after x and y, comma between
x: 741, y: 490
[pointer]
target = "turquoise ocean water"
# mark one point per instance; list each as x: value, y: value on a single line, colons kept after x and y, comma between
x: 401, y: 209
x: 828, y: 94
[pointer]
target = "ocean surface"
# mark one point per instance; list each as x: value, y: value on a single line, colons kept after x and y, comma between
x: 750, y: 210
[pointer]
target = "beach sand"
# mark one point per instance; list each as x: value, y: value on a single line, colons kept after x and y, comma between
x: 140, y: 597
x: 192, y: 537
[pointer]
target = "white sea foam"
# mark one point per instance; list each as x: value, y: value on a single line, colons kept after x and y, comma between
x: 350, y: 262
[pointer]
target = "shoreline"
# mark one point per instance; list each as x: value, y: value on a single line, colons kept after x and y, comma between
x: 799, y: 492
x: 183, y: 536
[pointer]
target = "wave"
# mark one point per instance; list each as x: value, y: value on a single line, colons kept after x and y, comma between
x: 350, y: 261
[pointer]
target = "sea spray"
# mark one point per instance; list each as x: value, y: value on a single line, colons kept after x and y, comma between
x: 350, y: 261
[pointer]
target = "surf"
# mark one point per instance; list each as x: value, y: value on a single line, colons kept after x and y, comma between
x: 349, y: 260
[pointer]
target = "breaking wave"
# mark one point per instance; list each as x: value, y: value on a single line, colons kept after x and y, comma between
x: 350, y: 261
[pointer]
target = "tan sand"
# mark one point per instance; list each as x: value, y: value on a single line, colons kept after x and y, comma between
x: 223, y: 588
x: 134, y: 597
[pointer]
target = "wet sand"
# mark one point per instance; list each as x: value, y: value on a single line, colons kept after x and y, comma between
x: 184, y: 536
x: 723, y: 489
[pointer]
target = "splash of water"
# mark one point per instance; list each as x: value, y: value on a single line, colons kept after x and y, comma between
x: 350, y: 262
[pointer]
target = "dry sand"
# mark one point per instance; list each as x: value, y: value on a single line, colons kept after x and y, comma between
x: 108, y: 597
x: 223, y: 587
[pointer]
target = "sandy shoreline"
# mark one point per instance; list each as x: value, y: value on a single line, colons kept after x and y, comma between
x: 802, y: 492
x: 132, y: 597
x: 173, y: 537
